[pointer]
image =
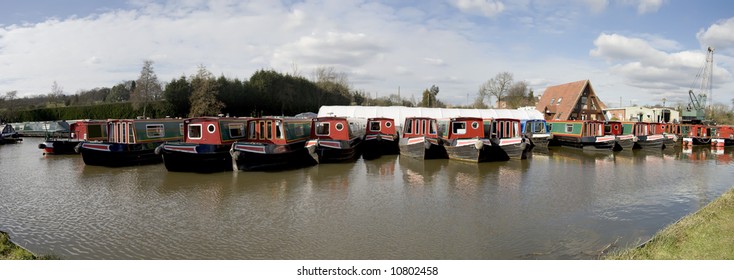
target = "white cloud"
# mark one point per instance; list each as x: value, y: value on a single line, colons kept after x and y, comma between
x: 719, y: 35
x: 649, y: 6
x: 488, y: 8
x: 658, y: 72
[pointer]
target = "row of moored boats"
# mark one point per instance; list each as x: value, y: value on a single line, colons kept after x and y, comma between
x: 213, y: 144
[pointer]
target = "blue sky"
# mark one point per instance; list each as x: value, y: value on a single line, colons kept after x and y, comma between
x: 639, y: 51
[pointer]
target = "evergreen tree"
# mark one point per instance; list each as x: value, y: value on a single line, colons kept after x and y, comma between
x: 147, y: 87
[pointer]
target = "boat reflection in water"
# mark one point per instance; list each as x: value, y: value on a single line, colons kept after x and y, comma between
x: 418, y: 172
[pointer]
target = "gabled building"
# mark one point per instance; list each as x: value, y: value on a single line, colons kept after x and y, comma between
x: 571, y: 101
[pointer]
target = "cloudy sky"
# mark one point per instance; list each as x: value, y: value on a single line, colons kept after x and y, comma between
x: 633, y: 51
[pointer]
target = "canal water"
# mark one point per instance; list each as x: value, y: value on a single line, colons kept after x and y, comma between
x: 561, y: 204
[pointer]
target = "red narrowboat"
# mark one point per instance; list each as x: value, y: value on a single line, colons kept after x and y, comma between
x: 93, y: 131
x: 699, y: 134
x: 724, y: 136
x: 273, y: 143
x: 381, y: 138
x: 336, y: 139
x: 205, y: 145
x: 477, y: 140
x: 649, y: 136
x: 420, y: 139
x: 672, y: 135
x: 624, y: 139
x: 507, y: 139
x: 131, y: 142
x: 587, y: 135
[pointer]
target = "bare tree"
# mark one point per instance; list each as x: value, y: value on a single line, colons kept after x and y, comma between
x: 204, y: 98
x: 497, y: 86
x: 147, y: 87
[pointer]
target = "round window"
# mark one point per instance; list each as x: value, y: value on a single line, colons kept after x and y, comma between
x: 616, y: 127
x: 339, y: 126
x: 475, y: 125
x: 211, y: 128
x: 388, y: 124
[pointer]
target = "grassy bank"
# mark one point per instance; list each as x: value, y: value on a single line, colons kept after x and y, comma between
x: 10, y: 251
x: 707, y: 234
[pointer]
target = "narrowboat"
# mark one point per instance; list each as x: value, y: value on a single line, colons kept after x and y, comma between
x: 465, y: 139
x: 649, y: 136
x: 205, y: 145
x: 624, y: 139
x: 87, y: 130
x: 336, y: 139
x: 507, y: 141
x: 724, y: 136
x: 420, y: 139
x: 537, y: 132
x: 131, y: 142
x: 672, y: 135
x: 273, y: 143
x: 9, y: 135
x: 587, y: 135
x: 380, y: 138
x: 699, y: 134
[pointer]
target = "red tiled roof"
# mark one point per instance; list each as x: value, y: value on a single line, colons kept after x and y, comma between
x: 564, y: 99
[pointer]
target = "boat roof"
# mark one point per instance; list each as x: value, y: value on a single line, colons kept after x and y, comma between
x: 399, y: 113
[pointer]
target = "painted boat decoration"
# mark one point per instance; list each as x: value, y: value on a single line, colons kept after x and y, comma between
x: 537, y: 132
x: 649, y: 136
x: 624, y: 138
x: 381, y: 138
x: 420, y: 139
x: 9, y: 135
x: 87, y: 130
x: 205, y: 145
x: 587, y: 135
x: 273, y: 143
x: 131, y: 142
x: 336, y: 139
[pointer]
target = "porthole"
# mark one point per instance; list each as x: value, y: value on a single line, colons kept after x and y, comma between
x: 339, y: 126
x: 474, y: 125
x: 211, y: 128
x: 388, y: 124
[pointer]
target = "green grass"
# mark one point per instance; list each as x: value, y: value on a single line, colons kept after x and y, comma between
x: 707, y: 234
x: 10, y: 251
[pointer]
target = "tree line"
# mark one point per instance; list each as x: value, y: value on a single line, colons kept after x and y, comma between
x: 265, y: 92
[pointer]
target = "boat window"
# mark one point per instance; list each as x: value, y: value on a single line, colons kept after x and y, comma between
x: 322, y: 128
x: 433, y: 127
x: 408, y: 126
x: 375, y: 126
x: 261, y: 131
x: 297, y: 130
x: 475, y: 125
x: 94, y: 131
x: 195, y: 131
x: 339, y: 126
x: 442, y: 128
x: 269, y: 128
x: 458, y: 128
x: 569, y: 128
x: 236, y: 130
x: 211, y: 128
x: 154, y: 130
x: 131, y: 134
x: 278, y: 130
x: 180, y: 129
x: 607, y: 129
x: 388, y: 124
x: 251, y: 129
